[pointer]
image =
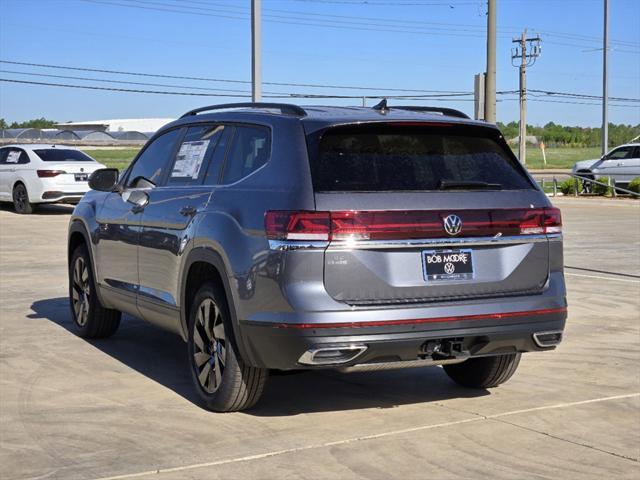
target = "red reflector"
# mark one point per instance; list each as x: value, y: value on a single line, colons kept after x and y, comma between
x: 50, y: 173
x: 402, y: 225
x: 414, y: 321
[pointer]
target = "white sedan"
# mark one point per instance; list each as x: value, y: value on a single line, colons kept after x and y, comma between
x: 622, y: 164
x: 32, y: 174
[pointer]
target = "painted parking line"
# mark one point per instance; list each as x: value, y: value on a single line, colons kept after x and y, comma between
x: 613, y: 279
x: 346, y: 441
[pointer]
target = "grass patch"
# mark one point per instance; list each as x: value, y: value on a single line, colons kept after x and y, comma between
x: 559, y: 157
x: 114, y: 158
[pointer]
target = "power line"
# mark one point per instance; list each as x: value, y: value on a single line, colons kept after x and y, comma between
x: 209, y: 79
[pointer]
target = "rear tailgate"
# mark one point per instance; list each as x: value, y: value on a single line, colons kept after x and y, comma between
x: 383, y: 189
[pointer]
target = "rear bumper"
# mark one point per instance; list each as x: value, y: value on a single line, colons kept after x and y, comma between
x: 283, y: 345
x: 54, y: 196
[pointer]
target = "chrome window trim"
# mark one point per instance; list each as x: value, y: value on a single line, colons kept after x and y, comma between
x: 283, y: 245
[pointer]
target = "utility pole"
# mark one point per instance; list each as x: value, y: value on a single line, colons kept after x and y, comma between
x: 527, y: 50
x: 605, y: 81
x: 256, y: 50
x: 490, y: 79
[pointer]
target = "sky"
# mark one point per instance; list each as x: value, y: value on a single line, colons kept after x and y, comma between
x: 378, y: 47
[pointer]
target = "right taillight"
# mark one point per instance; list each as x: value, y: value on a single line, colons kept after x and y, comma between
x: 552, y: 220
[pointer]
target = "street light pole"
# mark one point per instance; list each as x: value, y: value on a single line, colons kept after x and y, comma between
x: 605, y: 81
x: 256, y: 51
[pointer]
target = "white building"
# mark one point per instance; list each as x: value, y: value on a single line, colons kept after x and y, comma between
x: 118, y: 125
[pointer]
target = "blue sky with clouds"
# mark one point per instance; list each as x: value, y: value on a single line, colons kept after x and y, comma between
x: 380, y: 44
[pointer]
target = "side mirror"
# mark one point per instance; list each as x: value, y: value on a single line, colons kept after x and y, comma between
x: 104, y: 179
x: 139, y: 199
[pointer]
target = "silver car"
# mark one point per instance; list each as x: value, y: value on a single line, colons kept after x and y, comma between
x: 272, y: 237
x: 622, y: 164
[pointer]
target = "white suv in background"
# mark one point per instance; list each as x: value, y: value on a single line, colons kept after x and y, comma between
x: 32, y: 174
x: 622, y: 164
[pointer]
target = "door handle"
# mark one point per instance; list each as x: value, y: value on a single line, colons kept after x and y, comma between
x: 188, y: 211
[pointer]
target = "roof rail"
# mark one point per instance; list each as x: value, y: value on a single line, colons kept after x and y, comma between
x: 285, y: 108
x: 450, y: 112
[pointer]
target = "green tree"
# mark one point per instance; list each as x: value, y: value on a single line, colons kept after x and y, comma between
x: 35, y: 123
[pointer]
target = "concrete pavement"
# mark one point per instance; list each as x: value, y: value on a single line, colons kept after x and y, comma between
x: 123, y: 407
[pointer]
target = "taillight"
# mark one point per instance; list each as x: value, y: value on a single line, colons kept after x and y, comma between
x: 552, y: 220
x: 50, y: 173
x: 402, y: 225
x: 283, y: 225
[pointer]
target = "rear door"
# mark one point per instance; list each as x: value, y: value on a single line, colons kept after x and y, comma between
x: 426, y: 213
x: 168, y: 223
x: 5, y: 193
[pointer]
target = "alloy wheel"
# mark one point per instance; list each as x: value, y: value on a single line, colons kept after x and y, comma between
x: 20, y: 198
x: 210, y: 345
x: 81, y: 291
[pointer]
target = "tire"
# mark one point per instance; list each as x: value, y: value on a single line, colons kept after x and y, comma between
x: 484, y: 372
x: 223, y: 382
x: 21, y: 202
x: 586, y: 187
x: 90, y: 318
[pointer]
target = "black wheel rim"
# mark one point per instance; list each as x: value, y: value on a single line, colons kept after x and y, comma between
x: 80, y: 291
x: 20, y: 198
x: 210, y: 346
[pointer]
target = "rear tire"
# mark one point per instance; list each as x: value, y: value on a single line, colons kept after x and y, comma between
x: 223, y: 382
x: 21, y: 202
x: 90, y: 318
x: 484, y: 372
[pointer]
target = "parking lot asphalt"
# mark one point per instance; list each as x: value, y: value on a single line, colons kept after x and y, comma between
x: 124, y: 407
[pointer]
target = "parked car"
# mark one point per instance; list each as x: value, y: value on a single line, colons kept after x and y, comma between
x: 622, y: 164
x: 33, y: 174
x: 269, y: 236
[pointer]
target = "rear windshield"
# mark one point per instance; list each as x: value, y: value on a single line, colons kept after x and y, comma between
x: 63, y: 155
x: 375, y: 158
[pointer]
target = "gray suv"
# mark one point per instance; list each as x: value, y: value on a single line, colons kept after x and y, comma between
x: 269, y: 236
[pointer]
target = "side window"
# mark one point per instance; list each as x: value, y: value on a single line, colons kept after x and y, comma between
x: 249, y: 150
x: 3, y: 155
x: 619, y: 153
x: 152, y: 163
x: 191, y: 160
x: 636, y: 153
x: 15, y: 157
x: 216, y: 161
x: 24, y: 157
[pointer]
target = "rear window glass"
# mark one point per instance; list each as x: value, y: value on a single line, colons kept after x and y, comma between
x: 404, y: 158
x: 63, y: 155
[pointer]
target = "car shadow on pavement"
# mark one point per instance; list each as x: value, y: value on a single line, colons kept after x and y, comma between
x: 161, y: 356
x: 52, y: 209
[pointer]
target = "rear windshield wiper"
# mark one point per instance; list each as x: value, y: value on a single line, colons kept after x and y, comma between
x: 467, y: 185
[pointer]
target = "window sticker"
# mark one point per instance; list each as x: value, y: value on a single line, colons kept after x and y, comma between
x: 13, y: 156
x: 189, y: 159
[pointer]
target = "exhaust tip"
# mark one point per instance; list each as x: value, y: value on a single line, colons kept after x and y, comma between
x: 331, y: 355
x: 547, y: 339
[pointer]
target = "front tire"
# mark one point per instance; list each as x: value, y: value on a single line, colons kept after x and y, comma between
x: 223, y: 382
x: 484, y: 372
x: 90, y: 318
x: 21, y: 202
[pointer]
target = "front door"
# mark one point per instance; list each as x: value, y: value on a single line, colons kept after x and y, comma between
x: 169, y: 222
x: 119, y: 224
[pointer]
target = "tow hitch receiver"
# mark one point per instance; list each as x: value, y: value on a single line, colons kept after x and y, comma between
x: 446, y: 348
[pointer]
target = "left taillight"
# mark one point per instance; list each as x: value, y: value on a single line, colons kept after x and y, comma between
x: 285, y: 225
x: 50, y: 173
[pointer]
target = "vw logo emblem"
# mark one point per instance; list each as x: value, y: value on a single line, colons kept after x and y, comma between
x: 449, y: 268
x: 452, y: 224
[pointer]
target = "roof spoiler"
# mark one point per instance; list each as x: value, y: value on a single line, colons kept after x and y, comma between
x: 383, y: 108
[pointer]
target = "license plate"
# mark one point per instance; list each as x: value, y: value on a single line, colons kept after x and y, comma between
x: 81, y: 177
x: 447, y: 265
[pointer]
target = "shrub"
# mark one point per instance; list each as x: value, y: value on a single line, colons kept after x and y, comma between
x: 567, y: 187
x: 634, y: 185
x: 602, y: 189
